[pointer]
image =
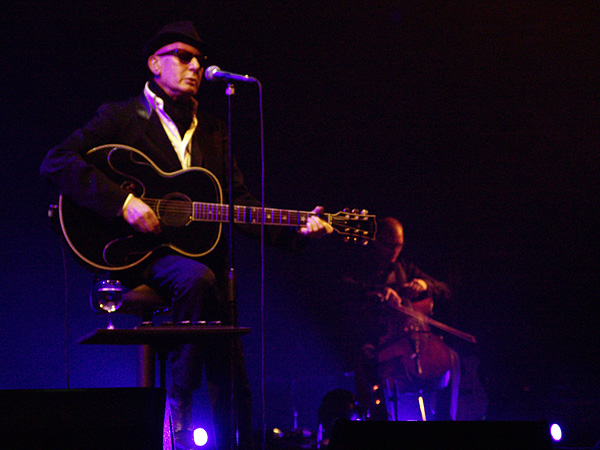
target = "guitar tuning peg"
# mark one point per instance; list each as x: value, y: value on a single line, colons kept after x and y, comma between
x: 346, y: 238
x: 365, y: 242
x: 365, y: 212
x: 346, y: 210
x: 355, y: 211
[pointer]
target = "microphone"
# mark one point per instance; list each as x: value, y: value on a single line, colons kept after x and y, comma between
x: 214, y: 73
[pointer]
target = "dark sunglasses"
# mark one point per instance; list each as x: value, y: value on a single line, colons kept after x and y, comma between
x: 186, y: 57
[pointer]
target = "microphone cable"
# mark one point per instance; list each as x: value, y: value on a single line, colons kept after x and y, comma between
x: 262, y: 265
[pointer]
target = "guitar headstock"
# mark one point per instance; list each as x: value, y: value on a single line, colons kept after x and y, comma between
x: 355, y: 225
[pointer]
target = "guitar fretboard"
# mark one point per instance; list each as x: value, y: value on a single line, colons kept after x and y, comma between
x: 217, y: 212
x: 213, y: 212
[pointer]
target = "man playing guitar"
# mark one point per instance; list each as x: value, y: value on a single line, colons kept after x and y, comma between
x: 165, y: 125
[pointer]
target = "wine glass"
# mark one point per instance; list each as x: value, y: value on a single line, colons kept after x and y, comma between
x: 107, y: 296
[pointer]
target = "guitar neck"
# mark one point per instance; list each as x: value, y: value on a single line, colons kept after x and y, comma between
x: 216, y: 212
x: 213, y: 212
x: 353, y: 225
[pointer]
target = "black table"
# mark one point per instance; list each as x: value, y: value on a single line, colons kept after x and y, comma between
x: 159, y: 341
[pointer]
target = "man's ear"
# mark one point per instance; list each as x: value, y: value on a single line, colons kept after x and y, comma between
x: 154, y: 65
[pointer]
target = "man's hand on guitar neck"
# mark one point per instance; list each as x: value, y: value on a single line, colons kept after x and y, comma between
x: 316, y: 227
x: 140, y: 216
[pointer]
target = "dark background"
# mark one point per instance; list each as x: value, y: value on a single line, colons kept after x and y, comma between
x: 476, y: 125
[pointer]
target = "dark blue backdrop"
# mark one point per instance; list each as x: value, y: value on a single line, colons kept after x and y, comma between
x: 476, y: 125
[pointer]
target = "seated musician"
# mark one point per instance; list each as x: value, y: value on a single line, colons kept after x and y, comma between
x: 391, y: 350
x: 166, y: 124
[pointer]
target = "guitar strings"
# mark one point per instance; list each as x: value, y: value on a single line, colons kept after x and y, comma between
x: 217, y: 210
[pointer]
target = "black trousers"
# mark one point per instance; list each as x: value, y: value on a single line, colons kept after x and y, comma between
x: 196, y: 295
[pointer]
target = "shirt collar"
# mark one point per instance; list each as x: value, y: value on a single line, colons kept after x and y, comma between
x: 158, y: 102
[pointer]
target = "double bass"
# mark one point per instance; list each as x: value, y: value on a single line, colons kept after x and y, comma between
x: 410, y: 357
x: 409, y: 352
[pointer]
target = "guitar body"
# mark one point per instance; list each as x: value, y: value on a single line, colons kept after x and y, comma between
x: 114, y: 245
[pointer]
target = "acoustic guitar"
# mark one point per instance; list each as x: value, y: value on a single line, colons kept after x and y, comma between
x: 189, y: 204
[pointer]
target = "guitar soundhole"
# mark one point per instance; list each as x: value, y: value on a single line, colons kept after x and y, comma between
x: 175, y: 210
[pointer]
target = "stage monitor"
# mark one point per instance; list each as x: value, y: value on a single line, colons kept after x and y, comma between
x: 419, y: 435
x: 127, y: 418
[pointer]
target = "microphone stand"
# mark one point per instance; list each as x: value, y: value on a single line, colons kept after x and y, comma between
x: 231, y: 281
x: 231, y: 278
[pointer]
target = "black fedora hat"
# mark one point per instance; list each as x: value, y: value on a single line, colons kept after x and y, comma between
x: 183, y: 31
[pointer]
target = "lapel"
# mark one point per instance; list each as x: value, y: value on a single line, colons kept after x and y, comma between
x: 160, y: 150
x: 205, y: 152
x: 204, y: 149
